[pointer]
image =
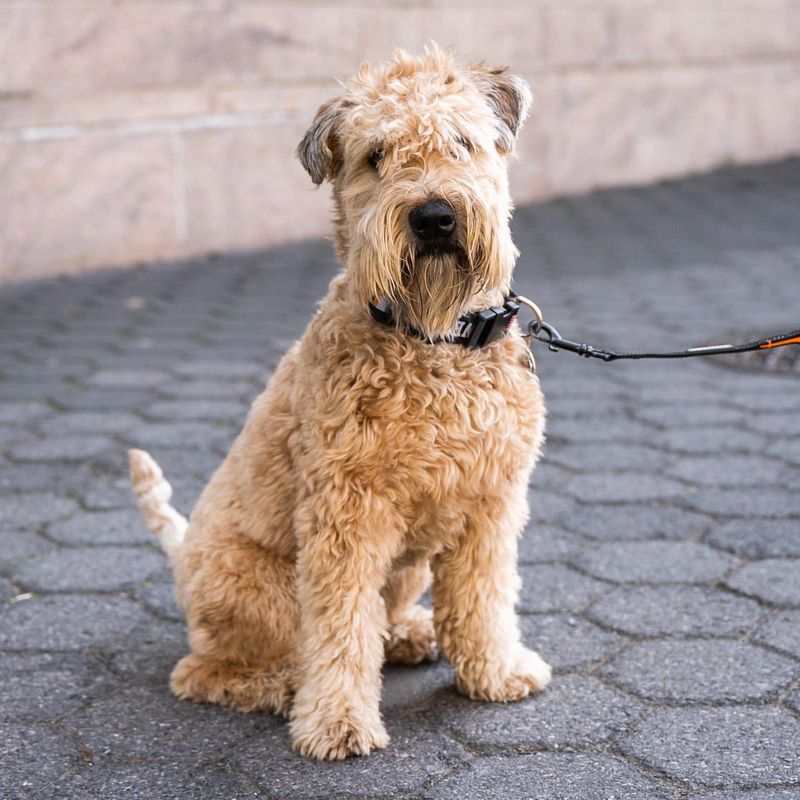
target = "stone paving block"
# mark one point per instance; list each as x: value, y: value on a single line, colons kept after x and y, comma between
x: 147, y: 780
x: 34, y: 758
x: 87, y: 422
x: 12, y: 436
x: 755, y: 502
x: 757, y: 538
x: 33, y: 389
x: 588, y: 457
x: 415, y: 756
x: 197, y: 409
x: 177, y: 434
x: 194, y: 460
x: 786, y: 449
x: 103, y: 527
x: 567, y: 642
x: 675, y: 610
x: 71, y: 368
x: 44, y: 686
x: 107, y: 496
x: 782, y: 631
x: 64, y: 448
x: 705, y: 671
x: 105, y: 399
x: 549, y: 477
x: 141, y: 722
x: 611, y: 487
x: 776, y: 424
x: 574, y: 711
x: 129, y: 379
x: 409, y: 688
x: 675, y: 416
x: 159, y: 597
x: 772, y: 580
x: 747, y: 794
x: 655, y: 562
x: 68, y: 622
x: 565, y: 776
x: 549, y: 507
x: 7, y: 590
x: 218, y: 369
x: 634, y: 521
x: 149, y: 651
x: 17, y: 546
x: 43, y: 476
x: 704, y: 441
x: 554, y: 587
x: 612, y: 431
x: 30, y: 510
x: 548, y: 543
x: 749, y: 396
x: 741, y: 470
x: 22, y: 413
x: 209, y: 389
x: 726, y: 746
x: 90, y: 570
x: 794, y: 701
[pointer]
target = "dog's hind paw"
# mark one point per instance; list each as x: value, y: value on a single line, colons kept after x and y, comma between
x: 334, y: 741
x: 413, y: 639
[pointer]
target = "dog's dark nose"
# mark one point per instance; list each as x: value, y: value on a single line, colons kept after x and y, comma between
x: 433, y: 221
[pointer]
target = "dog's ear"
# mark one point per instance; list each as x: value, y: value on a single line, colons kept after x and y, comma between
x: 510, y: 98
x: 320, y: 150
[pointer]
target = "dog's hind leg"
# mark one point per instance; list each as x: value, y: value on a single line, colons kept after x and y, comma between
x: 204, y: 679
x: 243, y: 621
x: 412, y: 638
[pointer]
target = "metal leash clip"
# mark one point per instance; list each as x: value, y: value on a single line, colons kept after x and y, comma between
x: 533, y: 327
x: 550, y: 335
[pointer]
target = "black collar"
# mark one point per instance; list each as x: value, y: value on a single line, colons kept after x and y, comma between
x: 472, y: 330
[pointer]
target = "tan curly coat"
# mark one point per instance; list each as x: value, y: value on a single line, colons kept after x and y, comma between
x: 373, y: 458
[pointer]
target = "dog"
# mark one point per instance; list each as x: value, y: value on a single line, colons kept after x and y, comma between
x: 386, y: 450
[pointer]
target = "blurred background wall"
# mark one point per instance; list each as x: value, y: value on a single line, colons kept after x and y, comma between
x: 149, y: 129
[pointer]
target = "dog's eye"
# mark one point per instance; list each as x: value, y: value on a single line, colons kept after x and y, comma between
x: 375, y: 158
x: 465, y: 143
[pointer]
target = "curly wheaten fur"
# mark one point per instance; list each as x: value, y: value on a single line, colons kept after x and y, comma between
x: 375, y: 459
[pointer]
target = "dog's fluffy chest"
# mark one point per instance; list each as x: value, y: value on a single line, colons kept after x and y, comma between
x: 440, y: 418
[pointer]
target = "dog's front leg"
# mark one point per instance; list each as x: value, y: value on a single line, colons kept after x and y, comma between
x: 347, y: 544
x: 475, y: 587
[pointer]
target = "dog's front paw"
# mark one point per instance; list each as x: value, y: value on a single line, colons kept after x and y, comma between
x: 335, y: 739
x: 528, y: 675
x: 413, y: 639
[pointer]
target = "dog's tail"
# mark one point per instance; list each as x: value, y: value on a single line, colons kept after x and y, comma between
x: 153, y: 494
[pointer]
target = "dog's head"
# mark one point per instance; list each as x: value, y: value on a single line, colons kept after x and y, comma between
x: 417, y: 150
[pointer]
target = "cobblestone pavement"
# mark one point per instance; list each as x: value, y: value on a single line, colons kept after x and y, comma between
x: 661, y: 569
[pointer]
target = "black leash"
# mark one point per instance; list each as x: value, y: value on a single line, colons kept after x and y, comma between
x: 545, y: 332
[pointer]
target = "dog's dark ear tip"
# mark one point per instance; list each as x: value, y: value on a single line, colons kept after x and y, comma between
x: 510, y: 98
x: 318, y: 151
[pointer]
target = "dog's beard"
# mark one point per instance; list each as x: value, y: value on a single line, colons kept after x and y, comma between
x: 428, y: 286
x: 436, y: 285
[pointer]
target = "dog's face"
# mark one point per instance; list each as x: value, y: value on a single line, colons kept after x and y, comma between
x: 417, y: 152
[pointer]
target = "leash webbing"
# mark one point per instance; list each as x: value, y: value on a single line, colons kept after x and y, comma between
x: 544, y: 332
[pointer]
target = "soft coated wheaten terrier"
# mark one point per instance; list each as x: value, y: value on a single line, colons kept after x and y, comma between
x: 393, y: 442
